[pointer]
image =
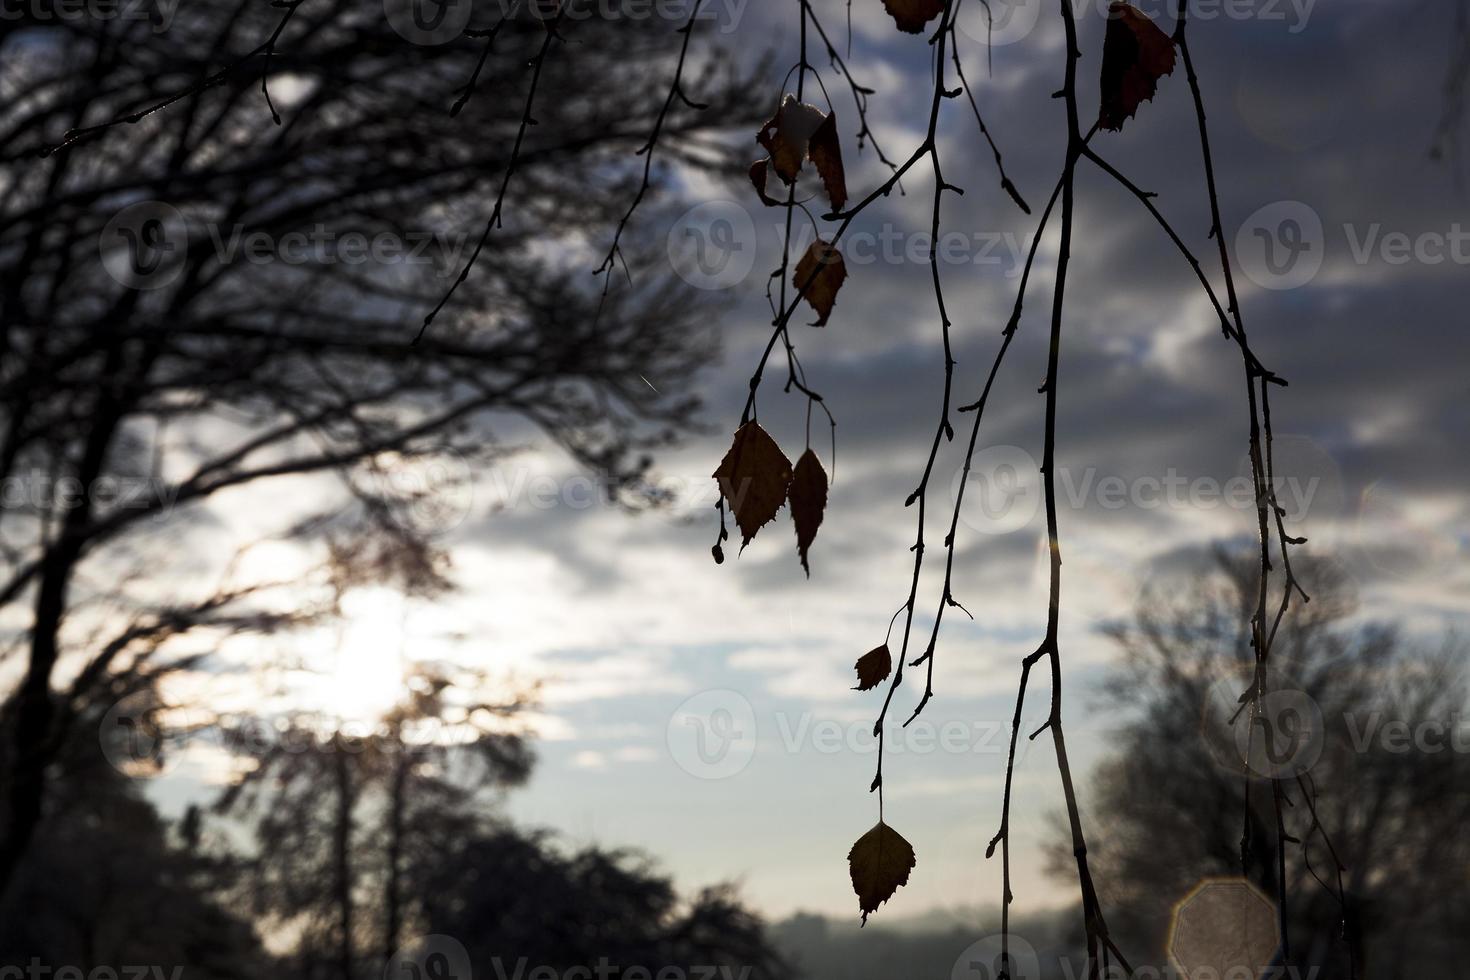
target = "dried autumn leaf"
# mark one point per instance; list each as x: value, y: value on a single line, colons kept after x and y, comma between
x: 873, y: 668
x: 825, y: 151
x: 796, y: 133
x: 1136, y: 54
x: 808, y: 497
x: 912, y: 15
x: 758, y: 173
x: 820, y: 273
x: 787, y: 135
x: 880, y: 863
x: 753, y: 478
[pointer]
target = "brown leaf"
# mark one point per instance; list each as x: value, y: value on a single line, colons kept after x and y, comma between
x: 787, y: 135
x: 808, y: 497
x: 873, y: 668
x: 753, y: 478
x: 1136, y: 54
x: 825, y: 151
x: 880, y: 863
x: 758, y: 174
x: 912, y: 15
x: 796, y: 133
x: 821, y: 273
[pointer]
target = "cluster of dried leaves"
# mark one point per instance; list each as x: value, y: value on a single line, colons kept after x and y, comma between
x: 756, y: 478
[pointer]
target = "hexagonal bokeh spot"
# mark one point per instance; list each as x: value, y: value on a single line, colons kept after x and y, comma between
x: 1224, y: 928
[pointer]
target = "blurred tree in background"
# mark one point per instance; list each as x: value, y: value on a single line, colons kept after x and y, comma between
x: 1174, y: 794
x: 182, y: 313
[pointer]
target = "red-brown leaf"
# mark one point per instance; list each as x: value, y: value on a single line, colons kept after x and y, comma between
x: 825, y: 151
x: 787, y: 135
x: 873, y: 668
x: 808, y: 498
x: 912, y: 15
x: 758, y: 174
x: 1136, y: 54
x: 753, y: 478
x: 821, y: 273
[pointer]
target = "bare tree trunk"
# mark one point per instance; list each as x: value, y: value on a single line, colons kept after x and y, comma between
x: 31, y: 741
x: 393, y: 901
x: 342, y: 846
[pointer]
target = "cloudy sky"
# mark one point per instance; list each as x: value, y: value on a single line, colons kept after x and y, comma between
x: 704, y: 712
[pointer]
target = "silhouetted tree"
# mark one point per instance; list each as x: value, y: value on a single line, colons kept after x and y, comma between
x: 1174, y: 789
x: 338, y: 813
x: 233, y: 362
x: 107, y: 883
x: 362, y: 841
